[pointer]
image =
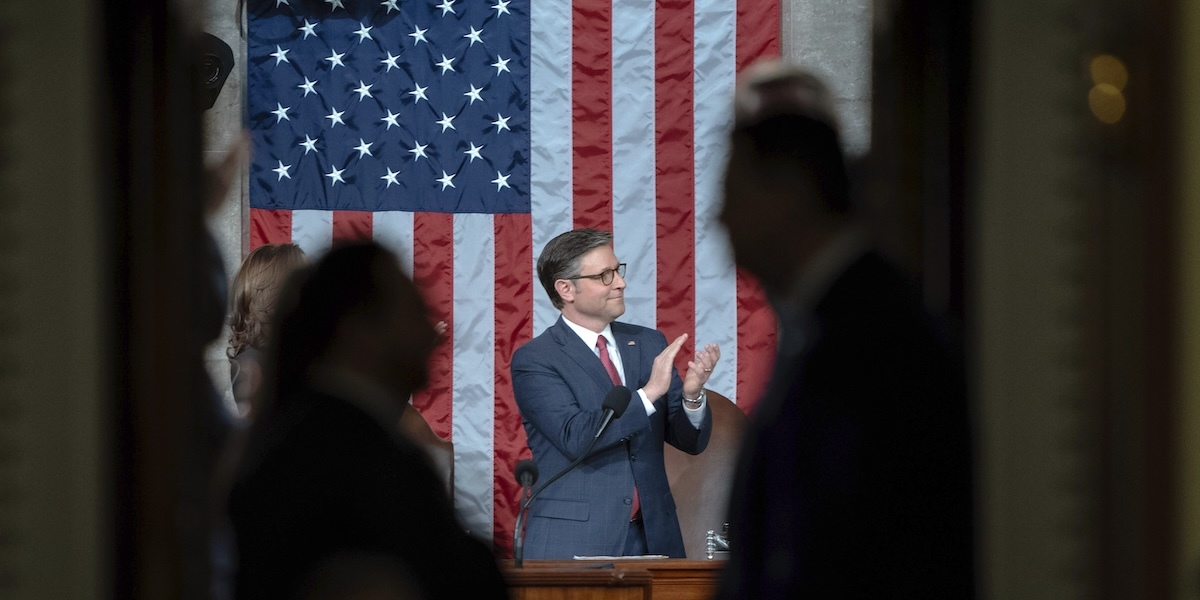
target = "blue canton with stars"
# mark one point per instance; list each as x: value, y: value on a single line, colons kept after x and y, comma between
x: 413, y: 105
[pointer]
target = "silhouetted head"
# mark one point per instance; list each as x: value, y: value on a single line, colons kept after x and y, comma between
x: 353, y: 309
x: 786, y: 186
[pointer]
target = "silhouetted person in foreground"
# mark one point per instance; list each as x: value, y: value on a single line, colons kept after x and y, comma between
x: 325, y: 472
x: 855, y: 475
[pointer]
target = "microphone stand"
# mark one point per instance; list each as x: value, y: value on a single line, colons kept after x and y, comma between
x: 615, y: 404
x: 519, y: 528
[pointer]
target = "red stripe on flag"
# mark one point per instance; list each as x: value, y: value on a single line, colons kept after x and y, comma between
x: 270, y: 227
x: 758, y: 31
x: 591, y: 113
x: 758, y: 25
x: 351, y: 226
x: 514, y: 327
x: 674, y: 163
x: 433, y: 272
x: 757, y: 336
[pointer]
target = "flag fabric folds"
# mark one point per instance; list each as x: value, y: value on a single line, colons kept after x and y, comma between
x: 465, y: 134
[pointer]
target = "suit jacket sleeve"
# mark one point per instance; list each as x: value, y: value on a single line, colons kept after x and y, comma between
x: 561, y: 401
x: 679, y: 431
x: 559, y: 386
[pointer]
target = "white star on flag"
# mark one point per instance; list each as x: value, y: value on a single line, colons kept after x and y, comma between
x: 418, y: 151
x: 364, y: 149
x: 473, y: 94
x: 473, y: 35
x: 446, y: 180
x: 473, y: 152
x: 418, y: 35
x: 310, y: 145
x: 390, y: 61
x: 335, y: 59
x: 280, y: 55
x: 335, y: 116
x: 390, y: 119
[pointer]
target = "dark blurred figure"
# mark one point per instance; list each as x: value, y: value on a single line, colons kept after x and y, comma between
x: 855, y: 475
x: 325, y: 470
x: 357, y: 576
x: 207, y: 559
x: 255, y: 293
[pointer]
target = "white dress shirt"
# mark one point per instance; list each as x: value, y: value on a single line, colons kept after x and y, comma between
x: 589, y: 337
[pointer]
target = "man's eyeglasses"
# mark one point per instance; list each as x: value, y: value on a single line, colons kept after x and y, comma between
x: 605, y: 276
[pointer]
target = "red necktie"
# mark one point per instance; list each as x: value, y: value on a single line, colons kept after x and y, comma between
x: 606, y: 360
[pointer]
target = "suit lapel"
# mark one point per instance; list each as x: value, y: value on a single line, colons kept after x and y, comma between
x: 631, y: 356
x: 578, y: 351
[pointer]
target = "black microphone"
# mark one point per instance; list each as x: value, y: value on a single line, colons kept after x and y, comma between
x: 526, y: 473
x: 615, y: 404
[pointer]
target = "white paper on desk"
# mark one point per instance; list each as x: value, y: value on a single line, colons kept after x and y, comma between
x: 621, y: 557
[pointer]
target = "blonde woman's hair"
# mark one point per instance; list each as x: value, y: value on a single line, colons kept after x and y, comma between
x: 255, y: 291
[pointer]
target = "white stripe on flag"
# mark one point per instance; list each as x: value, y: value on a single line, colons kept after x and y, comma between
x: 394, y: 230
x: 473, y: 414
x: 550, y: 137
x: 716, y: 284
x: 634, y: 215
x: 312, y: 230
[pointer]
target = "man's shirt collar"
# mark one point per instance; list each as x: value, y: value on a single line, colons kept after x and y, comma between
x: 588, y: 336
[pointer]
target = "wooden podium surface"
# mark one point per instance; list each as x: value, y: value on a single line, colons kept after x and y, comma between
x: 660, y: 579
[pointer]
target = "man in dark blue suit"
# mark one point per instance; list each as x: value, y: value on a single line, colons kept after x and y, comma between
x: 855, y: 474
x: 617, y: 501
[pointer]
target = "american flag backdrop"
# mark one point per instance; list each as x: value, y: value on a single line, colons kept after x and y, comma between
x: 465, y: 134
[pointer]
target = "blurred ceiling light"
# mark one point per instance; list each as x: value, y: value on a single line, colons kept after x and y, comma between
x: 1108, y: 69
x: 1107, y: 103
